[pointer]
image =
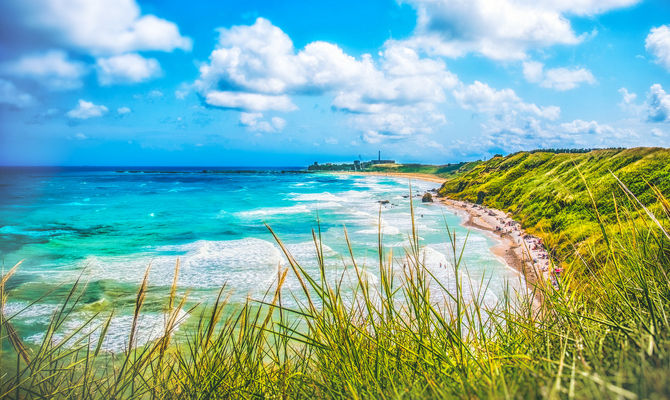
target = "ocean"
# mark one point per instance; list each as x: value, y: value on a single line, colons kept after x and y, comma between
x: 105, y: 226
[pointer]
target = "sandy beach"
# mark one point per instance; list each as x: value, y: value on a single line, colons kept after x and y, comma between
x: 520, y: 250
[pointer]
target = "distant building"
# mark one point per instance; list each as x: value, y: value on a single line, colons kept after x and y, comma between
x: 380, y: 161
x: 357, y: 165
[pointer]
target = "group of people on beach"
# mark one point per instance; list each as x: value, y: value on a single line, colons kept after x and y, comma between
x: 532, y: 247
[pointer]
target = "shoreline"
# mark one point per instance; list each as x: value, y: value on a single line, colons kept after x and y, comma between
x: 519, y: 250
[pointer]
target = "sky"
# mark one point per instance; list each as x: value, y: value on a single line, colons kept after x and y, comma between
x: 287, y: 83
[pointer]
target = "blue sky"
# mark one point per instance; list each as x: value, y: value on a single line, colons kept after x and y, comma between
x: 125, y: 82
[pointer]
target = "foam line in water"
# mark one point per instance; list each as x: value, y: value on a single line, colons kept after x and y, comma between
x: 268, y: 211
x: 150, y: 327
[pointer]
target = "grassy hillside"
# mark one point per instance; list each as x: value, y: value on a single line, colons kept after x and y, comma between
x: 447, y: 170
x: 547, y: 194
x: 400, y: 337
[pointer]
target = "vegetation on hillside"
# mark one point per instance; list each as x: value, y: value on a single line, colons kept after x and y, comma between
x: 399, y: 338
x: 445, y: 170
x: 403, y: 337
x: 547, y: 193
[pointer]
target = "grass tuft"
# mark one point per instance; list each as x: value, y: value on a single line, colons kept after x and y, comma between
x: 407, y: 335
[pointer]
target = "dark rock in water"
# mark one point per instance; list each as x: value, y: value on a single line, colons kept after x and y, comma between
x: 405, y: 196
x: 383, y: 202
x: 427, y: 198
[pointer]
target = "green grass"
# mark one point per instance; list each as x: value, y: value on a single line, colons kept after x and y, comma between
x: 546, y: 192
x: 447, y: 170
x: 605, y: 337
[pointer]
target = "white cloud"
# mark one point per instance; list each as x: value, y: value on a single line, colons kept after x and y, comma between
x: 155, y: 94
x: 579, y: 126
x: 255, y: 122
x: 629, y: 103
x: 403, y: 79
x: 261, y: 59
x: 658, y: 104
x: 500, y: 29
x: 86, y: 109
x: 126, y: 68
x: 248, y: 119
x: 509, y: 123
x: 560, y: 79
x: 536, y: 133
x: 658, y: 44
x: 11, y: 95
x: 98, y: 26
x: 397, y: 122
x: 255, y: 68
x: 533, y: 71
x: 481, y: 98
x: 627, y: 97
x: 587, y: 7
x: 52, y: 69
x: 657, y: 133
x: 278, y: 123
x: 123, y: 110
x: 249, y: 101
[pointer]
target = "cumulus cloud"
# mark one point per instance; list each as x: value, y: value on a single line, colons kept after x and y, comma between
x: 123, y: 110
x: 402, y: 79
x: 261, y: 59
x: 658, y: 104
x: 126, y: 68
x: 536, y: 133
x: 11, y: 95
x: 86, y: 109
x: 509, y: 123
x: 482, y: 98
x: 393, y: 97
x: 658, y: 44
x: 579, y: 126
x: 95, y: 26
x: 533, y: 71
x: 255, y: 122
x: 181, y: 94
x: 627, y: 97
x: 657, y: 133
x: 155, y: 94
x: 52, y: 69
x: 278, y: 123
x: 560, y: 79
x: 256, y: 68
x: 500, y: 29
x: 398, y: 123
x: 249, y: 101
x: 105, y: 29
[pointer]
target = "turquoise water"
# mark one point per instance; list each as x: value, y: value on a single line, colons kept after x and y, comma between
x: 107, y: 225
